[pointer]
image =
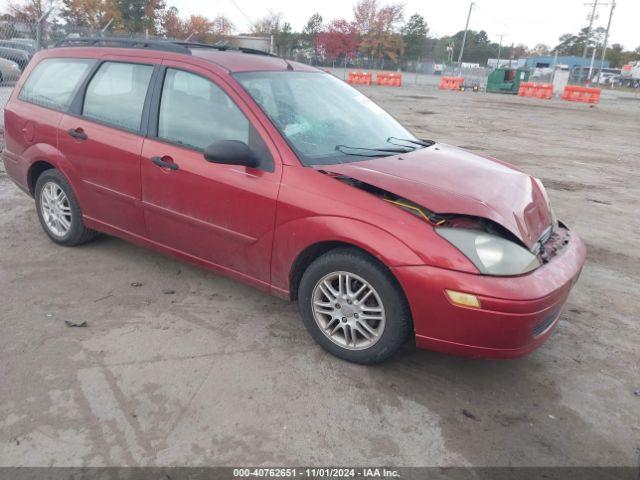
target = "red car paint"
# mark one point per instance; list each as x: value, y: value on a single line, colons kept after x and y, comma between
x: 451, y: 180
x: 253, y: 225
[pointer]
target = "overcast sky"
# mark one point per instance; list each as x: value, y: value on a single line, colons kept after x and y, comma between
x: 528, y: 22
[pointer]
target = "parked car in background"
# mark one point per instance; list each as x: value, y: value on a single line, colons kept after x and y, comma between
x: 605, y: 79
x: 25, y: 41
x: 19, y: 56
x: 18, y: 46
x: 9, y: 71
x: 284, y: 177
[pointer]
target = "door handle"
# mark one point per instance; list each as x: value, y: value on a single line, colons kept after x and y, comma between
x: 161, y: 163
x: 77, y: 133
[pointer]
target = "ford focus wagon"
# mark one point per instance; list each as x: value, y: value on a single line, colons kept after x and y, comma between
x: 286, y: 178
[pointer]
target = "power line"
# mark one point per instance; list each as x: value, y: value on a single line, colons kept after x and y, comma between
x: 491, y: 16
x: 251, y: 24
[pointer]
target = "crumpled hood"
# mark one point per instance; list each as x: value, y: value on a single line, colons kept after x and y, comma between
x: 446, y: 179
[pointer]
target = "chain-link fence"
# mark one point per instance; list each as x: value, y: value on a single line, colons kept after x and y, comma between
x: 19, y: 41
x: 472, y: 75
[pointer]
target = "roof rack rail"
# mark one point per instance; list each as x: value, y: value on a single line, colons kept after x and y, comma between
x: 175, y: 46
x: 200, y: 45
x: 124, y: 42
x: 223, y: 48
x: 257, y: 52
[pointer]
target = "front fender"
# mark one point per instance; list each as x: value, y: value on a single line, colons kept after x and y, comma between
x: 295, y: 236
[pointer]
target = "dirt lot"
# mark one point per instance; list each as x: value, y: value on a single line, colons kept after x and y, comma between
x: 219, y: 374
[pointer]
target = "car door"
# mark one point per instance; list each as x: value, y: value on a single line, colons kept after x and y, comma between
x: 103, y: 140
x: 222, y: 214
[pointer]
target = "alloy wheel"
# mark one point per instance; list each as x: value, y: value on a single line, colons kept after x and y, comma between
x: 56, y: 210
x: 348, y: 310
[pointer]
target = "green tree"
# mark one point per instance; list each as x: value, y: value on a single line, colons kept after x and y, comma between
x: 478, y: 48
x: 310, y: 34
x: 139, y: 16
x: 286, y: 40
x: 313, y: 27
x: 571, y: 44
x: 414, y: 35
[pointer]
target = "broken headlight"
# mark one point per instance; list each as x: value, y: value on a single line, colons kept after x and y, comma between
x: 491, y: 254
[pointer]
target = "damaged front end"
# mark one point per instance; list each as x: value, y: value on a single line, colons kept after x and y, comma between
x: 490, y: 247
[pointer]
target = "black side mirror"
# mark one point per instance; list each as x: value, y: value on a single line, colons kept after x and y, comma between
x: 231, y: 152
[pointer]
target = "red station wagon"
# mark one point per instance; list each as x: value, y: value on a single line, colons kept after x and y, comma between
x: 286, y: 178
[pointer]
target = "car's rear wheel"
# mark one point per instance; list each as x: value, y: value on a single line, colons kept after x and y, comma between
x: 353, y: 307
x: 59, y: 211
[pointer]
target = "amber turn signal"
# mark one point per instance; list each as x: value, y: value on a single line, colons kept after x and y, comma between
x: 464, y: 299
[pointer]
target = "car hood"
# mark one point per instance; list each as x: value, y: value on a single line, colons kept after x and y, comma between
x: 449, y: 180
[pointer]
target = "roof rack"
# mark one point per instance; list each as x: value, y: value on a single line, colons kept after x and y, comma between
x: 223, y: 48
x: 199, y: 45
x: 165, y: 45
x: 123, y: 42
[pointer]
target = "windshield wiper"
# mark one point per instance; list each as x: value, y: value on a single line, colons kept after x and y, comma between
x: 422, y: 143
x: 390, y: 151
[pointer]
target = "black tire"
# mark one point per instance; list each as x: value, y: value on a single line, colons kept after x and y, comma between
x: 398, y: 324
x: 77, y: 233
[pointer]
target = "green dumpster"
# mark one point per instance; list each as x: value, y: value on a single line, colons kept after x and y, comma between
x: 506, y: 80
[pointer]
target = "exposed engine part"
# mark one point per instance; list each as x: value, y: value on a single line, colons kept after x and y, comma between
x: 416, y: 210
x: 550, y: 247
x: 403, y: 203
x: 546, y: 249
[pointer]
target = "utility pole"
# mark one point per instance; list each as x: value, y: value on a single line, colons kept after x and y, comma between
x: 586, y: 41
x: 499, y: 49
x: 106, y: 27
x: 464, y: 37
x: 606, y: 39
x: 593, y: 59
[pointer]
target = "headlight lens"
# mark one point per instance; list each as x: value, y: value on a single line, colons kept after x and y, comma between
x: 492, y: 255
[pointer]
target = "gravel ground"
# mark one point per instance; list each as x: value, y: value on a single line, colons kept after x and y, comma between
x: 219, y: 374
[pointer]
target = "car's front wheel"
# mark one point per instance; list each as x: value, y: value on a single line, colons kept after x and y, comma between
x: 353, y: 307
x: 58, y: 210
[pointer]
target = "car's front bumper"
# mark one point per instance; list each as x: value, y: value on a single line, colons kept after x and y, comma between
x: 517, y: 314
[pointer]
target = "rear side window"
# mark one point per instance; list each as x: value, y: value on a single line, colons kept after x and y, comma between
x: 116, y: 93
x: 54, y: 82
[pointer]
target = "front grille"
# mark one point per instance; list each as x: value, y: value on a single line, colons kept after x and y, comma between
x: 540, y: 328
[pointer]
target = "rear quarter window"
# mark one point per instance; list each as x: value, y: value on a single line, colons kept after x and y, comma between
x: 54, y: 82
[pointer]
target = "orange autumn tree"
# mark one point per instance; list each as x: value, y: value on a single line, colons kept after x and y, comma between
x: 89, y: 13
x: 197, y: 28
x: 379, y: 29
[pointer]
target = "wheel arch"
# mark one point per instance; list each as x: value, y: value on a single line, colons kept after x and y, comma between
x: 36, y: 169
x: 298, y: 242
x: 307, y: 256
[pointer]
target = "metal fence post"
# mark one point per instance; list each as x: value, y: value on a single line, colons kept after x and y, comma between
x: 38, y: 35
